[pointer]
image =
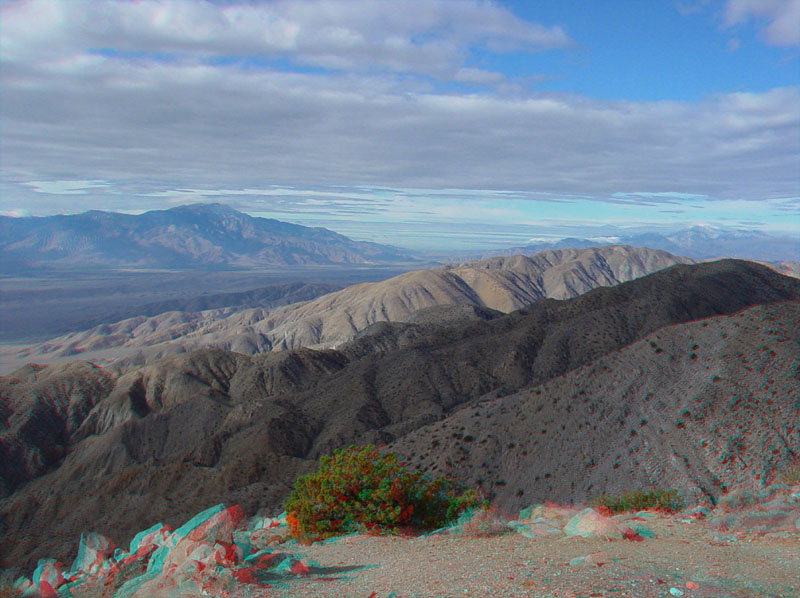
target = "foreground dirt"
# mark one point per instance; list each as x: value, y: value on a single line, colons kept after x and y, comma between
x: 686, y: 558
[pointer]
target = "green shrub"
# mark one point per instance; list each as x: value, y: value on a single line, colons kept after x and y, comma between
x: 668, y: 500
x: 359, y: 489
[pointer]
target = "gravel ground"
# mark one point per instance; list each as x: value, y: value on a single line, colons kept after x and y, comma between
x: 685, y: 559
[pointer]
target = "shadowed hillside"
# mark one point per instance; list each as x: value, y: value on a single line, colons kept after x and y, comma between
x: 701, y: 406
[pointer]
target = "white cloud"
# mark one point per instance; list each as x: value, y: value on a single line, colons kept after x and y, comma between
x: 782, y: 17
x: 430, y: 37
x: 66, y: 187
x: 74, y: 119
x: 150, y: 124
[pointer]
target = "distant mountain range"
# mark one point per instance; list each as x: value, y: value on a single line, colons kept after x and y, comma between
x: 218, y: 236
x: 198, y: 235
x: 618, y: 389
x: 502, y: 284
x: 696, y: 242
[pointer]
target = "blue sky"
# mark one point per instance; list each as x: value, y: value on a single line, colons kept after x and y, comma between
x: 425, y: 123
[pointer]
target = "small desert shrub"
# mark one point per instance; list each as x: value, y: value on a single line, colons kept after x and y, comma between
x: 484, y: 523
x: 790, y: 474
x: 359, y: 489
x: 668, y: 500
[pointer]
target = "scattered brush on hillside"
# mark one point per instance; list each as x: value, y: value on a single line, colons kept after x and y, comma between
x: 358, y: 489
x: 667, y: 500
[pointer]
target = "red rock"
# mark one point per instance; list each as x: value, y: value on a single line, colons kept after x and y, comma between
x: 300, y: 568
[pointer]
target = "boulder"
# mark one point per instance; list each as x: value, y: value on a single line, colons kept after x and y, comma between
x: 93, y: 554
x: 591, y: 524
x: 537, y: 529
x: 47, y: 578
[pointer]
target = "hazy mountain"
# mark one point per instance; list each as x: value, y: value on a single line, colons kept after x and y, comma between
x: 697, y: 242
x: 89, y: 448
x: 502, y: 284
x: 198, y: 235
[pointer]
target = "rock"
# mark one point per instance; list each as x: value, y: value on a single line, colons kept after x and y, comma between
x: 47, y: 578
x: 589, y: 523
x: 23, y: 584
x: 676, y: 592
x: 547, y: 511
x: 596, y: 558
x: 537, y: 529
x: 157, y: 535
x: 265, y: 559
x: 264, y: 538
x: 242, y: 539
x: 93, y: 553
x: 643, y: 531
x: 259, y: 523
x: 209, y: 555
x: 630, y: 534
x: 214, y: 525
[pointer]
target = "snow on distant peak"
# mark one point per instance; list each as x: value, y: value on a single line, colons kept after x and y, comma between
x: 534, y: 240
x: 610, y: 240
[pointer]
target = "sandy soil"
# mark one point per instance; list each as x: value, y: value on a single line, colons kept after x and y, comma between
x: 686, y: 558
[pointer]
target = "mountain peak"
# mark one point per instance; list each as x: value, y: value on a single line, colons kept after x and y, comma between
x: 216, y: 209
x: 194, y: 235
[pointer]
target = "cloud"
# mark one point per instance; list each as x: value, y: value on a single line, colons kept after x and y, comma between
x: 66, y: 187
x: 153, y: 101
x: 151, y: 125
x: 431, y: 37
x: 782, y: 17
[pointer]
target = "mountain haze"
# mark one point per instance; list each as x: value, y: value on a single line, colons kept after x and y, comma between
x: 697, y: 242
x: 191, y: 236
x: 502, y: 284
x: 91, y: 448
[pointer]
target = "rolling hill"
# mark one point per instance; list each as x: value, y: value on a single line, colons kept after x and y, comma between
x: 115, y: 451
x: 502, y: 284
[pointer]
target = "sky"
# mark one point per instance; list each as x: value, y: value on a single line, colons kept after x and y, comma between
x: 430, y: 124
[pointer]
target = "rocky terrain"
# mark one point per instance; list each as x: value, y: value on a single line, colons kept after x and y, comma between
x: 116, y: 450
x: 746, y: 546
x: 502, y: 284
x: 198, y: 235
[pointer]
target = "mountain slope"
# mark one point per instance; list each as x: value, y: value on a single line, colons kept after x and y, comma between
x: 198, y: 235
x: 702, y: 407
x: 502, y: 284
x: 164, y: 440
